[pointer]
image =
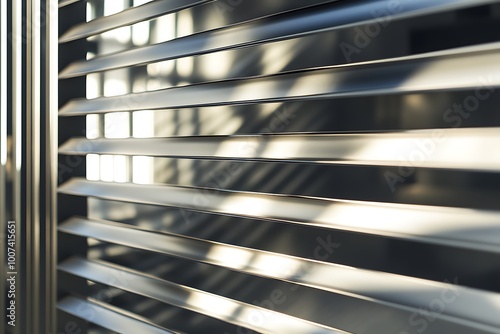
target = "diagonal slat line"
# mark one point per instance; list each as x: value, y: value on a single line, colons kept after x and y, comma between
x: 457, y: 69
x: 251, y: 232
x: 448, y: 226
x: 403, y: 291
x: 305, y: 22
x: 466, y: 149
x: 107, y: 316
x: 129, y: 16
x: 229, y: 310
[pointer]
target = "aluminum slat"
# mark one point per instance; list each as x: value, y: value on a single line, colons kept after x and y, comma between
x: 466, y: 149
x: 403, y: 291
x: 309, y: 21
x: 107, y: 317
x: 474, y: 68
x: 129, y: 16
x: 475, y: 229
x: 227, y: 310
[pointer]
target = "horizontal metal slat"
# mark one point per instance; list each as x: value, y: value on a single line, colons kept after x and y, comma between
x: 341, y: 15
x: 448, y: 226
x: 457, y: 69
x: 403, y: 291
x: 227, y: 310
x: 471, y: 149
x: 129, y: 16
x: 107, y: 317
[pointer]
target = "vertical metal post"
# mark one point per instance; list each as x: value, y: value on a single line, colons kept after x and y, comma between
x: 32, y: 167
x: 31, y: 89
x: 50, y: 135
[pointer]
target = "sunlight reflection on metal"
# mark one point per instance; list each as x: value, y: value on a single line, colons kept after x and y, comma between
x: 469, y: 148
x: 426, y: 223
x: 90, y: 11
x: 219, y: 305
x: 115, y: 83
x: 120, y: 173
x: 107, y: 167
x: 246, y: 205
x: 163, y: 68
x: 92, y: 124
x: 277, y: 56
x: 117, y: 125
x: 185, y: 66
x: 370, y: 285
x: 234, y: 258
x: 229, y: 310
x: 93, y: 85
x: 153, y: 84
x: 216, y: 65
x: 278, y: 266
x: 143, y: 124
x: 222, y: 125
x: 185, y: 24
x: 90, y: 55
x: 141, y: 2
x: 217, y: 195
x: 165, y: 29
x: 93, y: 167
x: 143, y: 170
x: 140, y: 33
x: 123, y: 34
x: 113, y: 6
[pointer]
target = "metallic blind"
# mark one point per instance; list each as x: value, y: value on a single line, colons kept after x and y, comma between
x: 239, y: 166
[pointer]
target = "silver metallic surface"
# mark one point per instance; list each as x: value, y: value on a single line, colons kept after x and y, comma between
x: 403, y: 292
x: 456, y: 69
x: 107, y: 317
x: 217, y: 307
x: 470, y: 149
x: 266, y: 30
x: 276, y: 167
x: 425, y: 223
x: 130, y: 16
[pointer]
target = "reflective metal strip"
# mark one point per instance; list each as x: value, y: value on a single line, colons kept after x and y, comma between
x: 49, y: 234
x: 448, y: 226
x: 403, y: 291
x: 221, y: 308
x: 471, y: 149
x: 462, y: 68
x: 265, y: 30
x: 129, y: 16
x: 107, y: 316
